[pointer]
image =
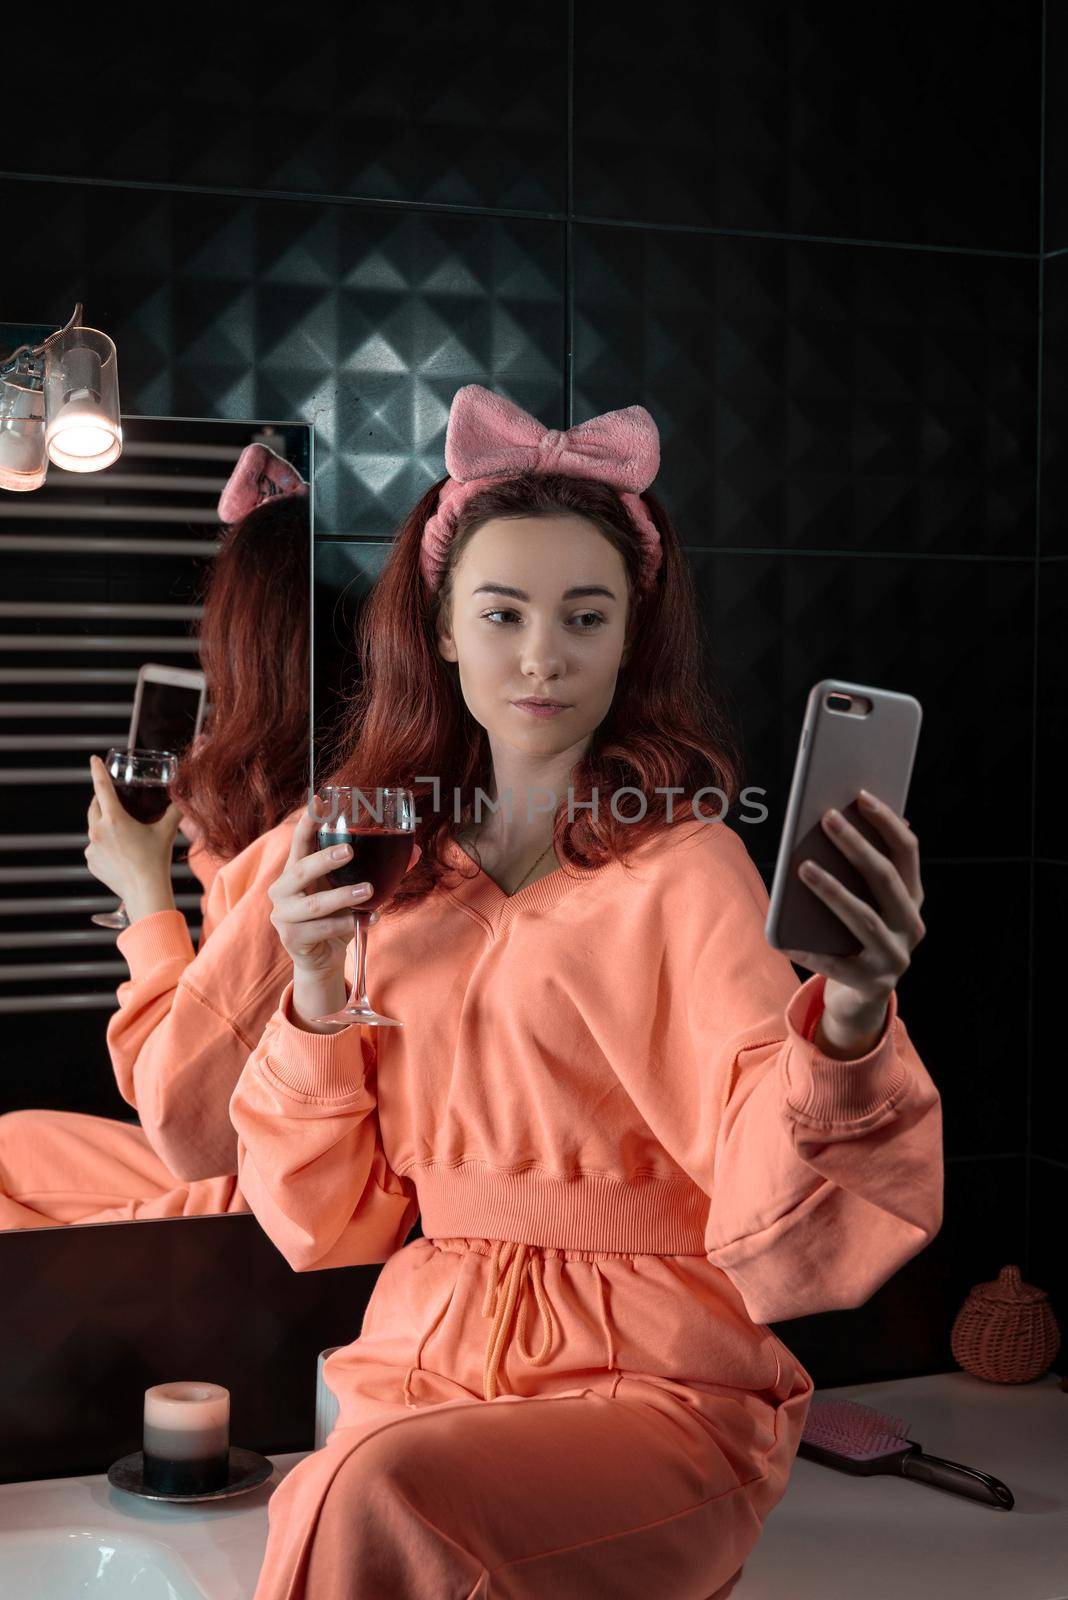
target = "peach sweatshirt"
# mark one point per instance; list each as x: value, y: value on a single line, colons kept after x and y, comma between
x: 188, y: 1019
x: 610, y: 1060
x: 206, y: 868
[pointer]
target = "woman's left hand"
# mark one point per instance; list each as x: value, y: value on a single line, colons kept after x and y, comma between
x: 132, y: 858
x: 859, y: 986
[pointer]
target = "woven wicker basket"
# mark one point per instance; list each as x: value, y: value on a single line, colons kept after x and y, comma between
x: 1006, y: 1331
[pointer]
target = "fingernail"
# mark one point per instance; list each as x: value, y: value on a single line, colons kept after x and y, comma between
x: 340, y: 851
x: 867, y: 799
x: 362, y: 889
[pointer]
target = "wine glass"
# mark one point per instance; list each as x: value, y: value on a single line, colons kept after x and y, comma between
x: 140, y: 778
x: 382, y: 849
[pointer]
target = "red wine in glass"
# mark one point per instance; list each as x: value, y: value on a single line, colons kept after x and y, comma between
x: 140, y: 778
x: 379, y: 858
x: 381, y: 855
x: 145, y: 799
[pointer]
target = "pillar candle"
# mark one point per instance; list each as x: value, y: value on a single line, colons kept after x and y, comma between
x: 186, y: 1438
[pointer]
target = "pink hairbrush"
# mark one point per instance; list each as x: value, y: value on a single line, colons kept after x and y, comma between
x: 855, y: 1438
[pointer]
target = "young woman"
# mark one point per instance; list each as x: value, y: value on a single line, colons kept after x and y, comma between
x: 617, y: 1112
x: 186, y: 1019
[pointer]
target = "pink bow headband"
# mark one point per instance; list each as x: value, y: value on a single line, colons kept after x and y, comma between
x: 259, y: 474
x: 489, y: 437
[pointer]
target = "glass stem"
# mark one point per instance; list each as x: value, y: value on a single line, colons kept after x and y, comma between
x: 359, y: 963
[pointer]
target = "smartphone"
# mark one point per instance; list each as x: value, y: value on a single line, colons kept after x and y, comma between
x: 168, y: 708
x: 854, y: 737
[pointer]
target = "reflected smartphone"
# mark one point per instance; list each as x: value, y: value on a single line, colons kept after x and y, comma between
x: 854, y: 737
x: 168, y: 708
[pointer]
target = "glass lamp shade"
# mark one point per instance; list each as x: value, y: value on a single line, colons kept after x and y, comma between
x: 82, y: 429
x: 23, y: 459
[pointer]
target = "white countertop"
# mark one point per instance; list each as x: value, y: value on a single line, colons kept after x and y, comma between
x: 217, y: 1546
x: 836, y: 1537
x: 831, y: 1537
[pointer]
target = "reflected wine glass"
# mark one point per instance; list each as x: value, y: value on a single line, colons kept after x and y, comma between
x: 140, y: 778
x: 379, y: 826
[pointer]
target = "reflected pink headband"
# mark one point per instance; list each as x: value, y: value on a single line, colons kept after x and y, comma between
x: 489, y: 437
x: 259, y: 474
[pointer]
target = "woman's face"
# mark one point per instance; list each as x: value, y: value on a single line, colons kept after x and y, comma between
x: 542, y: 640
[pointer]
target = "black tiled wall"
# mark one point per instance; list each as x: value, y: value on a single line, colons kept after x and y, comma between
x: 821, y: 252
x: 1046, y: 1096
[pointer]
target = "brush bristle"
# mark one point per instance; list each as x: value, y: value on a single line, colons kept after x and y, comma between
x: 854, y: 1430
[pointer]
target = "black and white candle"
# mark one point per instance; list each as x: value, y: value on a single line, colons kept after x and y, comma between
x: 186, y: 1438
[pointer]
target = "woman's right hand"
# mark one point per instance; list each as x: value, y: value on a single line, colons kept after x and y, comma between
x: 313, y: 923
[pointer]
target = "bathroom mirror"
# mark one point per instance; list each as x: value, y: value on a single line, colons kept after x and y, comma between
x: 103, y: 572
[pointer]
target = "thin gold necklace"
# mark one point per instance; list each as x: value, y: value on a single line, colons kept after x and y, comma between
x: 530, y: 869
x: 537, y: 863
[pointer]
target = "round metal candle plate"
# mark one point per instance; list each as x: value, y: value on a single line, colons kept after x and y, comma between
x: 248, y: 1469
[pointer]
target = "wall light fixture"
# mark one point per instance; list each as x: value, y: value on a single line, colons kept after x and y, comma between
x: 59, y: 402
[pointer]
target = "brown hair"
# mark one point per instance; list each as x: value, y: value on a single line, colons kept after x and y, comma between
x: 250, y: 768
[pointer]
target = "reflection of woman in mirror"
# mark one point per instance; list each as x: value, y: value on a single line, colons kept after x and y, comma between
x: 187, y: 1019
x: 632, y: 1138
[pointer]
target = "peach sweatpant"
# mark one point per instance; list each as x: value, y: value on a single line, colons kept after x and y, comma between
x: 585, y: 1481
x: 68, y: 1166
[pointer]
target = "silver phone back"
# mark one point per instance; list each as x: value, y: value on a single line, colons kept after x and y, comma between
x: 870, y: 746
